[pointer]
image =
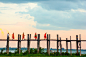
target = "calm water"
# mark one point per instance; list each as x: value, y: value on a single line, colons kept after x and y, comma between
x: 73, y: 51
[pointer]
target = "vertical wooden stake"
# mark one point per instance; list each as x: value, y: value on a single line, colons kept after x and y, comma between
x: 77, y: 43
x: 28, y: 43
x: 80, y: 43
x: 18, y: 41
x: 66, y: 46
x: 70, y: 46
x: 38, y: 43
x: 7, y: 45
x: 20, y: 44
x: 60, y: 47
x: 57, y: 42
x: 47, y: 43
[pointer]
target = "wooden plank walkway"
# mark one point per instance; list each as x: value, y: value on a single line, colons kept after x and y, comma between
x: 41, y: 40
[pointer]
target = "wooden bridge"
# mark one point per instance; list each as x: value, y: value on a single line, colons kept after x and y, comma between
x: 48, y: 43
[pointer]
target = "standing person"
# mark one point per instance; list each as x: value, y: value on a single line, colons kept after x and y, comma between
x: 45, y: 36
x: 35, y: 36
x: 23, y: 36
x: 8, y: 36
x: 12, y: 36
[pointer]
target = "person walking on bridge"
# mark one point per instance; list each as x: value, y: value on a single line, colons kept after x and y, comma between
x: 7, y: 36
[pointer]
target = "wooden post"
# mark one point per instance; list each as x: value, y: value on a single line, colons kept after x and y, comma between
x: 77, y: 43
x: 20, y: 44
x: 66, y: 46
x: 60, y: 47
x: 70, y: 46
x: 38, y: 43
x: 7, y: 45
x: 57, y: 43
x: 47, y: 43
x: 28, y: 43
x: 80, y: 43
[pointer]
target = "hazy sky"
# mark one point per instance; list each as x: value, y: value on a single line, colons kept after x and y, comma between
x: 64, y: 17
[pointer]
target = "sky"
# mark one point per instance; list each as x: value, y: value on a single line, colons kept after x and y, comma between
x: 63, y: 17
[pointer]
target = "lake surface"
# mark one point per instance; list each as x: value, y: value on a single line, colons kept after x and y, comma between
x: 73, y: 51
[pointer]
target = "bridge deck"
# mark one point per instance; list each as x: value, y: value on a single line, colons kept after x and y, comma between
x: 39, y: 40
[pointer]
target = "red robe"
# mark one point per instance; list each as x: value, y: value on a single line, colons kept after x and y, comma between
x: 13, y: 35
x: 23, y: 36
x: 35, y: 36
x: 45, y: 36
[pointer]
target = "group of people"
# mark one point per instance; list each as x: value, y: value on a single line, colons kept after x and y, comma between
x: 24, y: 36
x: 13, y: 36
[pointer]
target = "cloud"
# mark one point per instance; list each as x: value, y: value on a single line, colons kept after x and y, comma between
x: 73, y: 19
x: 26, y: 1
x: 63, y: 5
x: 36, y: 16
x: 49, y: 27
x: 80, y: 10
x: 8, y: 16
x: 20, y: 1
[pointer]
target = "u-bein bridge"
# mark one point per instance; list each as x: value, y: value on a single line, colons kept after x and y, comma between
x: 48, y: 43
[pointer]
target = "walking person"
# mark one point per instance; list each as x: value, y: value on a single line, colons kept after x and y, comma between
x: 35, y: 36
x: 45, y: 36
x: 7, y: 36
x: 12, y: 36
x: 23, y: 36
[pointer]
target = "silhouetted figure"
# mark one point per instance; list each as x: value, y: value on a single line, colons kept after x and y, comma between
x: 7, y: 36
x: 7, y: 39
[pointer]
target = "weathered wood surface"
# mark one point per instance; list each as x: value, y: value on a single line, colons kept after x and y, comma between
x: 28, y: 43
x: 7, y: 47
x: 18, y: 41
x: 39, y: 40
x: 70, y: 47
x: 49, y: 45
x: 80, y: 43
x: 66, y: 46
x: 60, y: 47
x: 57, y: 43
x: 19, y: 44
x: 38, y: 43
x: 77, y: 43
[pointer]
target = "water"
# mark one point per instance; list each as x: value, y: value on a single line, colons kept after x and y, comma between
x: 73, y: 51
